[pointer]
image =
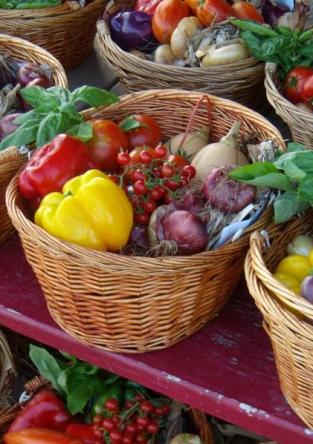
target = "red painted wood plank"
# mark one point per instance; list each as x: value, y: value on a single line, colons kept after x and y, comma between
x: 226, y: 369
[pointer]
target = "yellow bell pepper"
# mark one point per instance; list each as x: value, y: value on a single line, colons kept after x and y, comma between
x: 92, y: 212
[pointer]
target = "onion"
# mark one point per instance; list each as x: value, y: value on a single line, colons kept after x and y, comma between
x: 271, y: 12
x: 31, y: 74
x: 7, y: 126
x: 184, y: 31
x: 139, y: 237
x: 227, y: 54
x: 186, y: 438
x: 226, y: 194
x: 301, y: 245
x: 222, y: 153
x: 192, y: 143
x: 164, y: 55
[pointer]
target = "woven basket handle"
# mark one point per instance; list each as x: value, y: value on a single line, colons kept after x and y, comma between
x: 103, y: 28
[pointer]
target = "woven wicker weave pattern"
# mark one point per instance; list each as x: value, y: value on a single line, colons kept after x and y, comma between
x: 10, y: 159
x: 241, y: 81
x: 300, y: 122
x: 67, y: 31
x: 127, y: 303
x: 287, y: 318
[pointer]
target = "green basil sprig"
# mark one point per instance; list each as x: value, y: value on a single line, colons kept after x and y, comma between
x: 54, y: 112
x: 291, y: 173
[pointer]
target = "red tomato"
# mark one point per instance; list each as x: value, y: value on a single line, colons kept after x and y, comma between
x: 247, y: 11
x: 106, y: 142
x: 214, y: 10
x: 307, y: 90
x: 134, y: 154
x: 149, y: 134
x: 192, y: 5
x: 166, y: 17
x: 294, y: 83
x: 176, y: 159
x: 147, y: 6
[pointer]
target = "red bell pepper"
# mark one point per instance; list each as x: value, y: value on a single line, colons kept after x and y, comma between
x: 44, y: 410
x: 147, y: 6
x: 85, y: 432
x: 39, y: 436
x: 53, y: 165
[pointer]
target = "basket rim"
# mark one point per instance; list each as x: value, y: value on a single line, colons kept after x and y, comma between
x: 98, y: 256
x: 69, y: 7
x: 104, y: 33
x: 271, y: 89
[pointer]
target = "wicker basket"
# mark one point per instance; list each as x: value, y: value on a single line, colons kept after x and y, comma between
x: 7, y: 369
x: 128, y: 303
x: 10, y: 159
x: 287, y: 318
x: 300, y: 122
x: 241, y: 81
x: 32, y: 387
x: 66, y: 31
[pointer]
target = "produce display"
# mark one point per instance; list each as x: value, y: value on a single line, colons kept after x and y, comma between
x: 87, y: 405
x: 191, y: 33
x: 291, y: 48
x: 123, y: 188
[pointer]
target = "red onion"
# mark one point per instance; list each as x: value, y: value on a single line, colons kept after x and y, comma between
x: 139, y: 237
x: 186, y: 230
x: 7, y: 126
x: 307, y: 288
x: 226, y: 194
x: 32, y: 74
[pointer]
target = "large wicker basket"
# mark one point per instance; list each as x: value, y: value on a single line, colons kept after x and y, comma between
x: 11, y: 159
x: 128, y: 303
x: 300, y: 122
x: 67, y: 31
x: 241, y: 81
x: 36, y: 384
x: 287, y: 317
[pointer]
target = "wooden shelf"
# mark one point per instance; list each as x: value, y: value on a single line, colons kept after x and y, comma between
x: 226, y: 369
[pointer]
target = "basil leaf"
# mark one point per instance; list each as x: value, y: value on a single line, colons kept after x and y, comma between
x: 83, y: 131
x: 62, y: 94
x: 305, y: 189
x: 130, y: 123
x: 36, y: 4
x: 41, y: 99
x: 253, y: 42
x: 294, y: 146
x: 306, y: 51
x: 252, y: 26
x: 286, y: 206
x: 306, y: 35
x: 271, y: 46
x: 24, y: 135
x: 25, y: 117
x: 93, y: 96
x: 253, y: 170
x: 49, y: 127
x: 293, y: 171
x: 46, y: 364
x: 277, y: 181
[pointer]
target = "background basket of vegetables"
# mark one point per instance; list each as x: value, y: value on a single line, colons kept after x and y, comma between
x: 66, y: 29
x: 287, y: 315
x: 127, y: 302
x: 226, y: 70
x: 28, y: 54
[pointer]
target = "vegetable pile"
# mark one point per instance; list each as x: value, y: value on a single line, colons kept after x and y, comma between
x: 190, y: 33
x: 292, y: 51
x: 121, y: 187
x: 86, y: 405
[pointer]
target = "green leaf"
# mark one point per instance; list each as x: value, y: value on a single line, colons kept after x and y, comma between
x: 293, y: 171
x: 38, y: 97
x: 277, y: 181
x: 253, y: 42
x: 25, y: 117
x: 36, y: 4
x: 49, y: 127
x: 287, y: 205
x: 306, y: 51
x: 306, y: 35
x: 24, y: 135
x: 305, y: 189
x: 284, y: 30
x: 130, y: 123
x: 62, y: 94
x: 294, y: 146
x: 93, y: 96
x: 83, y: 131
x: 253, y: 170
x: 271, y: 46
x: 46, y: 364
x: 252, y: 26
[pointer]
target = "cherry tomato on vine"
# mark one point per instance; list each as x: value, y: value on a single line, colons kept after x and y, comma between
x: 139, y: 187
x: 145, y: 157
x: 142, y: 218
x: 294, y: 83
x: 167, y: 170
x: 108, y: 424
x: 160, y: 151
x: 105, y: 144
x: 127, y: 440
x: 131, y: 428
x: 134, y: 154
x: 157, y: 192
x: 189, y: 171
x: 178, y: 160
x: 138, y: 175
x: 149, y: 206
x: 153, y: 427
x: 140, y: 438
x: 123, y: 158
x: 97, y: 432
x: 116, y: 436
x: 172, y: 185
x: 148, y: 134
x: 112, y: 405
x: 166, y: 409
x: 143, y: 421
x: 97, y: 420
x: 146, y: 407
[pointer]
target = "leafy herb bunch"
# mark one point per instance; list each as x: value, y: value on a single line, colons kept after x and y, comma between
x: 286, y: 47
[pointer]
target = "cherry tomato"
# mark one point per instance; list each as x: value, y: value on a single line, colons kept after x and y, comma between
x: 116, y: 420
x: 145, y: 157
x: 116, y: 436
x: 248, y: 11
x: 127, y: 440
x: 97, y: 432
x: 142, y: 218
x: 160, y: 151
x: 112, y: 405
x: 155, y: 194
x: 214, y: 10
x: 149, y: 206
x: 166, y: 17
x: 108, y: 424
x: 189, y: 171
x: 176, y: 159
x: 153, y: 427
x: 140, y: 438
x: 143, y: 421
x: 166, y: 409
x: 97, y: 420
x: 148, y: 135
x: 134, y: 154
x: 171, y: 185
x: 294, y: 83
x: 146, y: 407
x: 139, y: 187
x: 167, y: 170
x: 307, y: 91
x: 138, y: 175
x: 131, y: 428
x: 107, y: 141
x: 123, y: 158
x: 295, y: 265
x: 157, y: 172
x: 147, y: 6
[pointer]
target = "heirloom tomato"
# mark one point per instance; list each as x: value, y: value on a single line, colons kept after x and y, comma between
x: 148, y: 133
x: 107, y: 141
x: 307, y: 90
x: 294, y: 83
x: 166, y: 17
x: 147, y: 6
x: 209, y: 11
x: 248, y: 11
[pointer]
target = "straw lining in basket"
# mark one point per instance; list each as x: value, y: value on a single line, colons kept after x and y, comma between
x: 300, y: 122
x: 10, y: 159
x: 128, y: 303
x: 241, y: 81
x: 287, y: 318
x: 67, y: 31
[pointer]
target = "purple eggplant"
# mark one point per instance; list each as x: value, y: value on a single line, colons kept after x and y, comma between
x: 272, y: 12
x: 132, y: 30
